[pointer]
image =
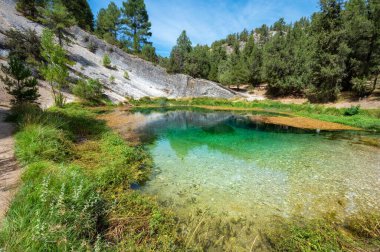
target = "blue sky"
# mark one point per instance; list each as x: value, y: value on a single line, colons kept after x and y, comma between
x: 208, y: 20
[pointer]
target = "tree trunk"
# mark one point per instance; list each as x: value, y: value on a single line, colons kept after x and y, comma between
x: 375, y: 83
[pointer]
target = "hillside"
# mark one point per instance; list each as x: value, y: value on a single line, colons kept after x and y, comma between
x: 145, y: 79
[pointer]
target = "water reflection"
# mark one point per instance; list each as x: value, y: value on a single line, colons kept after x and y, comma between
x: 232, y: 164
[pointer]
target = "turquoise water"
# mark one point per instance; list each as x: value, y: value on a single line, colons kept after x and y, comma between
x: 230, y: 165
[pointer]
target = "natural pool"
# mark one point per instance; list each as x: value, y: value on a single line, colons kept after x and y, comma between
x: 230, y: 164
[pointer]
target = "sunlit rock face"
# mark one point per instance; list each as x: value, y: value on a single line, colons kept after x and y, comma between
x: 145, y: 78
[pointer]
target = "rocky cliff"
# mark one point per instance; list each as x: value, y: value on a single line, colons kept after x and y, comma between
x: 145, y: 78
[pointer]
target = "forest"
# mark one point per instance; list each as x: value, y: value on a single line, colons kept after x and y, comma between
x: 336, y: 49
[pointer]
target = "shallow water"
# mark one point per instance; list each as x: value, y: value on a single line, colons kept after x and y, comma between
x: 228, y: 164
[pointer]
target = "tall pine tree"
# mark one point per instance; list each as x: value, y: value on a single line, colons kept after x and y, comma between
x: 179, y: 53
x: 30, y: 7
x: 57, y: 18
x: 108, y: 22
x: 136, y: 24
x: 82, y: 13
x: 330, y: 52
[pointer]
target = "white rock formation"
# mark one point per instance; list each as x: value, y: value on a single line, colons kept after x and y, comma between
x: 145, y: 79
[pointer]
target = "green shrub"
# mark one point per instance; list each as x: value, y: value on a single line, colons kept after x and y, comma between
x: 316, y: 95
x: 91, y: 90
x: 106, y: 61
x: 112, y: 79
x: 360, y: 87
x: 126, y: 75
x: 92, y: 47
x: 353, y: 110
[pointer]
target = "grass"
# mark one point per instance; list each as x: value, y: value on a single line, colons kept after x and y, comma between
x: 77, y: 169
x: 76, y: 196
x: 326, y: 234
x: 365, y: 119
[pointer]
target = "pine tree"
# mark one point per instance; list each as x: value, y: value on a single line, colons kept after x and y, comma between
x: 57, y: 18
x: 24, y: 44
x: 197, y: 62
x: 55, y: 69
x: 82, y: 13
x: 234, y: 70
x: 330, y: 52
x: 136, y: 24
x: 19, y: 82
x: 107, y: 23
x: 253, y: 59
x: 30, y: 7
x: 179, y: 53
x: 148, y: 52
x: 217, y: 55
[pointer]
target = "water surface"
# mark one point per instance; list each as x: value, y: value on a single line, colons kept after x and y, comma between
x: 232, y: 165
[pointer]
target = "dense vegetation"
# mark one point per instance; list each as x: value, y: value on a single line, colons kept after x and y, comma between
x: 75, y: 167
x: 128, y: 27
x: 338, y: 48
x: 79, y: 9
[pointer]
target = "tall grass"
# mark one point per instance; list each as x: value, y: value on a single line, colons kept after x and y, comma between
x: 76, y: 188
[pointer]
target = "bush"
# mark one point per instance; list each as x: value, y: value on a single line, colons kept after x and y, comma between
x: 126, y: 75
x: 106, y: 61
x: 360, y: 87
x: 112, y: 79
x: 316, y: 95
x: 91, y: 90
x: 92, y: 47
x: 353, y: 110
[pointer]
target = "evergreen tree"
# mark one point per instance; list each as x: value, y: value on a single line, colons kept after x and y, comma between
x: 24, y: 44
x: 148, y: 52
x: 107, y: 23
x: 253, y: 59
x: 328, y: 62
x: 287, y: 59
x: 30, y: 7
x: 136, y: 24
x: 217, y: 55
x: 361, y: 23
x: 263, y: 34
x: 19, y: 81
x: 197, y: 62
x: 179, y: 53
x: 55, y: 69
x: 373, y: 56
x: 234, y: 70
x: 57, y: 18
x: 82, y: 13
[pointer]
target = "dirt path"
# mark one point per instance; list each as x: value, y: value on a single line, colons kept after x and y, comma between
x: 9, y: 170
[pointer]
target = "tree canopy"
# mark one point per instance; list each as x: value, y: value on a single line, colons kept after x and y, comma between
x: 337, y: 49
